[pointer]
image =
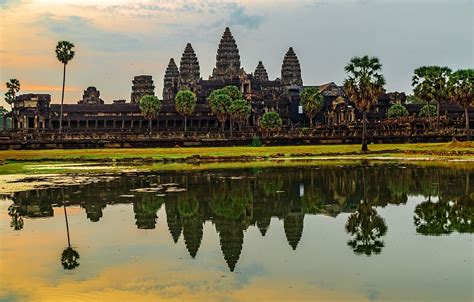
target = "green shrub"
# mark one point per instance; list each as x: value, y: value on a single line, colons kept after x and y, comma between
x: 256, y: 142
x: 270, y: 121
x: 397, y: 110
x: 427, y: 111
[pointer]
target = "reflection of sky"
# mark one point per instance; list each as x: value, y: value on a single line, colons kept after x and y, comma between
x: 118, y: 261
x: 118, y: 39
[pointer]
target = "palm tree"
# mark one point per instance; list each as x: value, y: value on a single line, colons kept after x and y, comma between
x: 220, y: 103
x: 185, y: 102
x: 150, y: 106
x: 240, y: 110
x: 13, y: 86
x: 461, y: 91
x: 312, y: 102
x: 364, y: 85
x: 64, y: 53
x: 430, y: 84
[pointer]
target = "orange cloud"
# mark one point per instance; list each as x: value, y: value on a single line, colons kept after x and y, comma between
x: 47, y: 88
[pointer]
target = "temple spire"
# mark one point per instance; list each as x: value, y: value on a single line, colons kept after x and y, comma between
x: 171, y: 80
x: 227, y: 58
x: 189, y: 72
x: 260, y: 72
x: 291, y: 70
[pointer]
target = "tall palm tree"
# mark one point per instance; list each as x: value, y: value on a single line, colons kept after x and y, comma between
x: 430, y: 84
x: 64, y: 53
x: 364, y: 84
x: 461, y: 91
x: 185, y: 102
x: 312, y: 102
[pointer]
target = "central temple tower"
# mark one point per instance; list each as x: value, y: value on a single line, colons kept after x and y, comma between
x: 227, y: 59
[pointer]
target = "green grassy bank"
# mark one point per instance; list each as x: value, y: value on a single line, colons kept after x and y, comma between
x: 456, y: 149
x: 119, y: 160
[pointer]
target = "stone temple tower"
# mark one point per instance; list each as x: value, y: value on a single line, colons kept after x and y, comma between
x: 171, y: 81
x: 291, y: 70
x: 260, y: 72
x: 189, y: 73
x: 227, y: 59
x: 142, y: 85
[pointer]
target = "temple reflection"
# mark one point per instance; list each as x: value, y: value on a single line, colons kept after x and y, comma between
x: 236, y: 200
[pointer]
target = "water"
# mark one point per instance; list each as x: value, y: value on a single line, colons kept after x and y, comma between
x: 382, y: 233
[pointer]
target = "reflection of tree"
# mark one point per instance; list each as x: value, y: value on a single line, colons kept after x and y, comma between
x: 69, y: 258
x: 14, y: 211
x: 145, y: 211
x: 230, y: 204
x: 445, y: 217
x: 366, y: 228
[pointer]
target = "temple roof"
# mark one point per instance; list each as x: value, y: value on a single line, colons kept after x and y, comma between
x: 189, y: 65
x: 171, y: 71
x: 291, y: 70
x: 260, y: 72
x: 227, y: 58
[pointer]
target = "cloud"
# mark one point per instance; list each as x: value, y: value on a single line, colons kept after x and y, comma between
x: 240, y: 18
x: 83, y: 31
x: 4, y: 4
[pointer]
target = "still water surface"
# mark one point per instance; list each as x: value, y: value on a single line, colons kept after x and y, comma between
x: 359, y: 233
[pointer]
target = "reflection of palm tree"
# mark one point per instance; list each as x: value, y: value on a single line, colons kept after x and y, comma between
x: 366, y: 227
x: 17, y: 220
x: 69, y: 256
x: 445, y: 217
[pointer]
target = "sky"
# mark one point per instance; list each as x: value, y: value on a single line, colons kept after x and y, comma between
x: 116, y: 40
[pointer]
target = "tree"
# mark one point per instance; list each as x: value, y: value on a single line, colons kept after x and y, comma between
x: 233, y: 92
x: 427, y: 110
x: 312, y: 102
x: 240, y: 110
x: 271, y: 121
x: 220, y: 103
x: 13, y: 86
x: 430, y: 84
x: 461, y: 91
x: 397, y: 110
x: 185, y: 102
x: 364, y: 85
x: 64, y: 53
x: 150, y: 106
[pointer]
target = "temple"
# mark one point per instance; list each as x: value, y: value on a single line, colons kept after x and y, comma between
x: 91, y: 113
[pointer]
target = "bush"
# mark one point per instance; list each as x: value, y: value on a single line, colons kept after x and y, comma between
x: 271, y: 121
x: 256, y: 142
x: 397, y: 110
x: 427, y: 111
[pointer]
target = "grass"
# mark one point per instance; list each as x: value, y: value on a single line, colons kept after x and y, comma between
x: 107, y: 160
x: 444, y: 149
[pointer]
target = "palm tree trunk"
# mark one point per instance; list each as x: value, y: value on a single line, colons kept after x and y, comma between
x: 67, y: 225
x: 437, y: 115
x: 310, y: 122
x: 364, y: 131
x: 149, y: 127
x: 466, y: 113
x: 62, y: 101
x: 185, y: 123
